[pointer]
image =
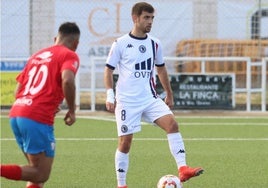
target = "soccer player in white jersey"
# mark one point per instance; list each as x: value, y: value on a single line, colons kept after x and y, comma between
x: 136, y: 55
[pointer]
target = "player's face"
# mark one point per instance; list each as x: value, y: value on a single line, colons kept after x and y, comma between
x: 145, y: 21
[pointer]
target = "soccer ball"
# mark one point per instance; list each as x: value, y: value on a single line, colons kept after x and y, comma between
x: 169, y: 181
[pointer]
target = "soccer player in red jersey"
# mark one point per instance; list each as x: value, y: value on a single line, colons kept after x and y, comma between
x: 47, y: 78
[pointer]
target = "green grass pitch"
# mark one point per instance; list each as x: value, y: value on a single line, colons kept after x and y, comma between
x: 232, y: 150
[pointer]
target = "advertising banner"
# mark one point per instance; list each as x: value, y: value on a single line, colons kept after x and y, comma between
x: 201, y: 91
x: 9, y: 72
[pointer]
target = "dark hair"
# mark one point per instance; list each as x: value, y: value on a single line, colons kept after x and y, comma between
x: 69, y: 28
x: 138, y: 8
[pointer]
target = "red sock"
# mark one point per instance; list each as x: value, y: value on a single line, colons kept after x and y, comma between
x: 33, y: 186
x: 12, y: 172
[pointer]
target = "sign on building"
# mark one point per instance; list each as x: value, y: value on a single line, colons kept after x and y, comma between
x: 201, y: 91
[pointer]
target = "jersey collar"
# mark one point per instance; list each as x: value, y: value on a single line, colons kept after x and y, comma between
x: 138, y: 38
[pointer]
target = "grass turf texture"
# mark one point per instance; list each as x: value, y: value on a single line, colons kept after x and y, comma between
x: 233, y: 151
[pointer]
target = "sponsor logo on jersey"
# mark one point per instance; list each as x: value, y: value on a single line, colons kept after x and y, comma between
x: 143, y: 69
x: 42, y: 58
x: 23, y: 101
x: 45, y: 55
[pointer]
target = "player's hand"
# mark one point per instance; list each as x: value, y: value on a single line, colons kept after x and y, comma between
x: 69, y: 118
x: 110, y: 106
x: 110, y: 101
x: 169, y: 101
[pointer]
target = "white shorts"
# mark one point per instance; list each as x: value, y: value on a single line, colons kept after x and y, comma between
x: 128, y: 118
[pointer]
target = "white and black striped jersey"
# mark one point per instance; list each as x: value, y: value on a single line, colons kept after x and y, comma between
x: 135, y: 59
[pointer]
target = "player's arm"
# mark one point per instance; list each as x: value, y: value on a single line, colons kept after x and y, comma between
x: 68, y: 87
x: 163, y: 77
x: 108, y: 82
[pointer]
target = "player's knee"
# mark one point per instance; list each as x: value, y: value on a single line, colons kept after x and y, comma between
x: 172, y: 128
x: 124, y: 145
x: 41, y: 177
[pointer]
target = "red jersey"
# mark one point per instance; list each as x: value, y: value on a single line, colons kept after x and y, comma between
x: 41, y: 92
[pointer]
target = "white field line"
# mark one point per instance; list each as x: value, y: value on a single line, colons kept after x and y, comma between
x: 179, y: 117
x: 164, y: 139
x: 112, y: 118
x: 153, y: 139
x: 219, y: 123
x: 185, y: 123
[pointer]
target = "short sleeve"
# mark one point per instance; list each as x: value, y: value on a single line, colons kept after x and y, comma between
x: 159, y: 60
x: 114, y: 55
x: 71, y: 62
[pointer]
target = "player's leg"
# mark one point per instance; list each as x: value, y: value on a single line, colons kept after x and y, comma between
x: 13, y: 171
x: 125, y: 119
x: 176, y: 144
x: 37, y: 142
x: 31, y: 184
x: 122, y: 159
x: 38, y: 170
x: 124, y: 143
x: 161, y: 115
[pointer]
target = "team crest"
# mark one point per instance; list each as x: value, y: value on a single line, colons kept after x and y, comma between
x: 124, y: 128
x: 142, y: 48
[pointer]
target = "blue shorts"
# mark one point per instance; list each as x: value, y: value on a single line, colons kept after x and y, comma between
x: 33, y: 137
